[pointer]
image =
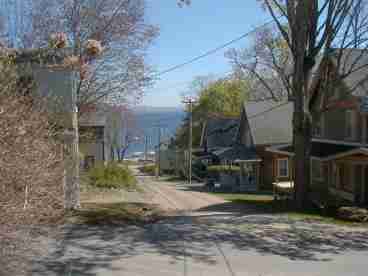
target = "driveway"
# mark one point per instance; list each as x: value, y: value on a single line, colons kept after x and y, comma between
x: 204, y: 235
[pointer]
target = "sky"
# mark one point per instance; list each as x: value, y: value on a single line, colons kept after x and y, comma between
x: 190, y: 31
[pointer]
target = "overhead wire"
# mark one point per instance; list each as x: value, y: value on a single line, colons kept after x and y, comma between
x: 214, y: 50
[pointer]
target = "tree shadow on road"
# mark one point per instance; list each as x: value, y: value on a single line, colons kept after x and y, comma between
x: 85, y: 248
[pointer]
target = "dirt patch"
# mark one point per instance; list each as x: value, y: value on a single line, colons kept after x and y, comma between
x: 116, y: 213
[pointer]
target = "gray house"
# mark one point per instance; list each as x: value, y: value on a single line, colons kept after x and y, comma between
x: 218, y: 136
x: 262, y: 125
x: 339, y: 163
x: 102, y: 135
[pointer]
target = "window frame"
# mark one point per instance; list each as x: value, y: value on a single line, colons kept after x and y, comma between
x: 350, y: 122
x: 279, y: 160
x: 320, y: 166
x: 321, y: 123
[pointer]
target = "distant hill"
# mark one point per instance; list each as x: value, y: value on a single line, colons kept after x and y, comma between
x: 147, y: 118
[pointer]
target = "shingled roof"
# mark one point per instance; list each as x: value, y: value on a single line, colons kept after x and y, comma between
x: 219, y: 132
x: 270, y: 122
x: 353, y: 68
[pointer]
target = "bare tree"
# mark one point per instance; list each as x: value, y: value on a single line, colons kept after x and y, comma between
x: 266, y: 64
x: 121, y: 73
x: 31, y: 154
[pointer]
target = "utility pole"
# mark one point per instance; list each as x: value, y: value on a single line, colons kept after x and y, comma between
x: 190, y: 102
x: 159, y: 153
x: 158, y: 158
x: 145, y: 147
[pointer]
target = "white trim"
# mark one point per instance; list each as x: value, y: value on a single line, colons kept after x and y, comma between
x: 317, y: 158
x: 351, y: 152
x: 287, y: 167
x: 276, y: 149
x: 361, y: 150
x: 337, y: 142
x: 248, y: 161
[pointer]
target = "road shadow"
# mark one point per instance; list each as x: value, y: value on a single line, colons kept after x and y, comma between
x: 84, y: 249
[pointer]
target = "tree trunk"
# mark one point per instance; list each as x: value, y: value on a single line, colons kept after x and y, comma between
x: 301, y: 124
x: 71, y: 177
x: 112, y: 152
x: 118, y: 154
x: 301, y: 132
x: 302, y: 145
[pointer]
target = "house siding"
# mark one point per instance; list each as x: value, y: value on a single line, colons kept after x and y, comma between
x: 335, y: 122
x: 266, y: 168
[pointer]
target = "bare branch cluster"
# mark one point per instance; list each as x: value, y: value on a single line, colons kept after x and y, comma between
x: 267, y: 63
x: 121, y: 73
x: 31, y: 168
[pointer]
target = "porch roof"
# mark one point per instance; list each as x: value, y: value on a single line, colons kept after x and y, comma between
x: 324, y: 151
x: 237, y: 153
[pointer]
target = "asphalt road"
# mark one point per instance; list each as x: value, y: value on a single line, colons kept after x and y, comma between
x: 204, y: 235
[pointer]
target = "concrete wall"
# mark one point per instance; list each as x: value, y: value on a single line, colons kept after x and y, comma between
x: 92, y: 149
x: 57, y: 87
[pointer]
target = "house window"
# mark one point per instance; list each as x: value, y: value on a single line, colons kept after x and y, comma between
x: 317, y: 170
x: 283, y: 167
x: 350, y: 124
x: 89, y: 162
x: 319, y: 127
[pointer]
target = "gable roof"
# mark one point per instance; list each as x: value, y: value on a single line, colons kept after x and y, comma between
x: 237, y: 153
x: 353, y: 64
x: 220, y: 132
x: 270, y: 122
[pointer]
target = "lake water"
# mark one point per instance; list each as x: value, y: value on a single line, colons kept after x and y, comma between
x: 148, y: 121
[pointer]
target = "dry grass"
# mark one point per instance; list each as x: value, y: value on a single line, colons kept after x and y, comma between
x: 106, y: 206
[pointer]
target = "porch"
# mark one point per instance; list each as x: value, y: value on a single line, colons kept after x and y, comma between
x: 249, y: 167
x: 335, y: 169
x: 249, y: 175
x: 348, y: 178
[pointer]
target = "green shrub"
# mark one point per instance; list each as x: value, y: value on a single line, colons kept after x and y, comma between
x: 223, y: 169
x: 112, y: 176
x: 148, y: 169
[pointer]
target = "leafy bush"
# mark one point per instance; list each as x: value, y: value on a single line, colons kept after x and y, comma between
x: 148, y: 169
x: 215, y: 171
x: 112, y: 176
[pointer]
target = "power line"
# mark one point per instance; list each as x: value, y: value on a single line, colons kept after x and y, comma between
x: 213, y: 51
x: 186, y: 84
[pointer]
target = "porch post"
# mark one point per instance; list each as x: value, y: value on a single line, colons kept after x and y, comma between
x: 363, y: 199
x: 257, y: 176
x: 241, y: 173
x: 364, y: 129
